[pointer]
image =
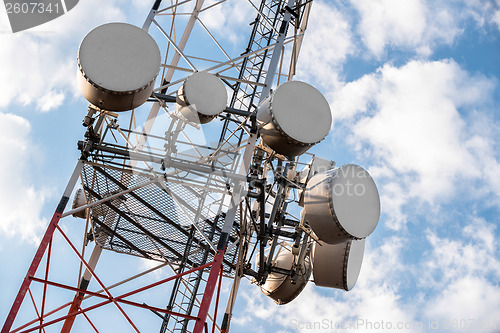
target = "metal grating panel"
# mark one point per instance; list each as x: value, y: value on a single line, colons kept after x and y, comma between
x: 151, y: 223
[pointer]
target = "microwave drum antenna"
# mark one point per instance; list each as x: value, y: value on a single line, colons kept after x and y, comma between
x: 294, y: 118
x: 342, y: 204
x: 201, y: 97
x: 337, y: 266
x: 280, y: 287
x: 117, y: 66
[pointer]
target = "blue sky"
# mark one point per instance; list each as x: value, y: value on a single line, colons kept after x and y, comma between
x: 414, y: 91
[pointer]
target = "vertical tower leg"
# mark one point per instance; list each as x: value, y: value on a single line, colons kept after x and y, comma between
x: 84, y: 283
x: 47, y: 237
x: 211, y: 284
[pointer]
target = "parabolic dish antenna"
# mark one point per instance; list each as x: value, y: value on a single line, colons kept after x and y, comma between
x: 295, y: 117
x: 201, y: 97
x: 117, y: 66
x: 280, y: 287
x: 342, y: 204
x: 338, y: 265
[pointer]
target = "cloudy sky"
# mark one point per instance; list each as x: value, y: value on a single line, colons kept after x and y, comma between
x: 414, y: 91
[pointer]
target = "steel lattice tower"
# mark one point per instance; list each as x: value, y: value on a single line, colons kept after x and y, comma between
x: 197, y: 208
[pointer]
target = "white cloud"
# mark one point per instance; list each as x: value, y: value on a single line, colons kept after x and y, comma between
x: 393, y: 197
x: 20, y: 201
x: 462, y: 274
x: 224, y: 19
x: 496, y: 18
x: 327, y: 44
x: 470, y: 302
x: 417, y: 120
x: 419, y: 25
x: 354, y: 97
x: 417, y: 128
x: 473, y: 257
x: 51, y: 100
x: 484, y: 12
x: 483, y: 149
x: 391, y: 22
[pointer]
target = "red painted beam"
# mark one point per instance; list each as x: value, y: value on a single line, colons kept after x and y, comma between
x: 33, y: 268
x: 209, y: 291
x: 47, y: 237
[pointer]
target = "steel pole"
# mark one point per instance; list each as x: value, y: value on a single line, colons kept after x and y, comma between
x: 236, y: 197
x: 47, y: 237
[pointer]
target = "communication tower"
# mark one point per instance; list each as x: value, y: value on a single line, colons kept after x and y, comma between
x: 248, y: 201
